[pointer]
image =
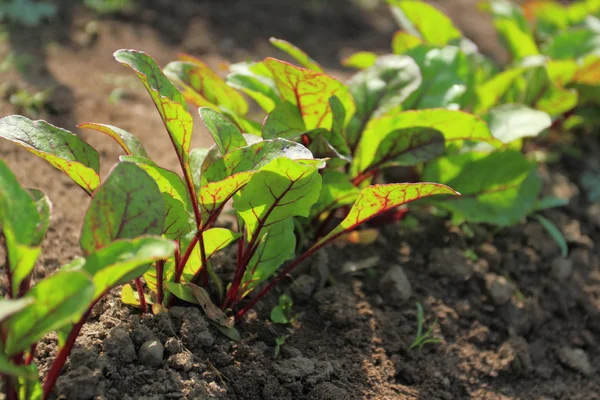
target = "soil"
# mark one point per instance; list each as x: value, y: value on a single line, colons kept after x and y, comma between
x: 512, y: 318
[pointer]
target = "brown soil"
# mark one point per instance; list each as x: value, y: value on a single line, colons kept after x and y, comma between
x: 349, y: 340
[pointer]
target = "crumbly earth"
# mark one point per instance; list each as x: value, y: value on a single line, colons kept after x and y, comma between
x: 511, y: 317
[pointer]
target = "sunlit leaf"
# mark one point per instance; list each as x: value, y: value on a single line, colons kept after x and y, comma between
x: 424, y: 20
x: 284, y: 121
x: 255, y: 79
x: 510, y: 122
x: 491, y: 92
x: 360, y: 60
x: 297, y: 54
x: 403, y: 41
x: 62, y: 149
x: 213, y: 195
x: 519, y: 43
x: 225, y: 134
x: 309, y: 91
x: 129, y: 143
x: 215, y: 239
x: 573, y: 44
x: 168, y: 100
x: 337, y: 191
x: 44, y: 207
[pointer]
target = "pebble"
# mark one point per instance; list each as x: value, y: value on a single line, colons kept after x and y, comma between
x: 576, y: 359
x: 499, y: 288
x: 151, y: 353
x: 562, y: 268
x: 303, y: 288
x: 394, y: 286
x: 451, y: 263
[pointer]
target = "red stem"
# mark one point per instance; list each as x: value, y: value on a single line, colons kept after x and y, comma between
x: 186, y: 256
x: 63, y: 353
x: 160, y: 267
x: 11, y: 393
x: 140, y: 290
x: 31, y: 354
x: 363, y: 176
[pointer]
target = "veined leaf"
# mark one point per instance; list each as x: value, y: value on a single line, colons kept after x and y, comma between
x: 297, y: 54
x: 403, y: 41
x: 168, y: 100
x: 284, y: 121
x: 310, y: 91
x: 337, y: 191
x: 360, y: 60
x: 215, y: 239
x: 20, y: 221
x: 456, y: 126
x: 405, y: 147
x: 168, y: 273
x: 127, y: 205
x: 62, y: 149
x: 225, y: 134
x: 500, y: 196
x: 213, y: 195
x: 510, y: 122
x: 212, y: 312
x: 424, y: 20
x: 202, y: 79
x: 253, y: 157
x: 122, y: 261
x: 281, y: 189
x: 377, y: 199
x: 129, y: 143
x: 276, y: 245
x: 384, y: 86
x: 58, y: 300
x: 255, y: 79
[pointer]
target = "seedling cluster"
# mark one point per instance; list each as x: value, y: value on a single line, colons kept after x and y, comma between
x: 307, y: 172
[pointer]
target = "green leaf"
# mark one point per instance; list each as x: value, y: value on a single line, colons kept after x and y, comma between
x: 130, y: 296
x: 280, y: 313
x: 21, y: 225
x: 276, y: 245
x: 421, y: 19
x: 169, y: 101
x: 44, y: 207
x: 256, y: 81
x: 491, y: 92
x: 253, y: 157
x: 297, y: 54
x: 58, y: 300
x: 573, y: 44
x: 197, y: 157
x: 555, y: 233
x: 127, y: 205
x: 499, y: 188
x: 360, y: 60
x: 384, y: 86
x: 129, y: 143
x: 403, y: 41
x: 404, y: 147
x: 519, y: 43
x: 510, y: 122
x: 206, y: 83
x: 62, y: 149
x: 182, y: 291
x: 231, y: 333
x: 337, y: 191
x: 9, y: 307
x: 213, y: 195
x: 309, y: 91
x: 8, y: 368
x: 556, y: 101
x: 550, y: 202
x: 215, y: 239
x: 225, y: 134
x: 447, y: 77
x: 281, y: 189
x: 456, y: 126
x: 377, y: 199
x: 284, y: 121
x: 122, y: 261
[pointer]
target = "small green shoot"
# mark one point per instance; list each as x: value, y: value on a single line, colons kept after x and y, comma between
x: 282, y: 313
x: 421, y: 339
x: 279, y: 341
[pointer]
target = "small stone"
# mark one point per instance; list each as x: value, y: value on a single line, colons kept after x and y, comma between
x: 303, y: 288
x: 499, y: 288
x: 182, y: 361
x: 294, y: 368
x: 394, y: 286
x: 576, y: 359
x: 151, y: 353
x: 450, y: 262
x: 288, y: 351
x: 562, y: 268
x: 489, y: 252
x: 118, y: 346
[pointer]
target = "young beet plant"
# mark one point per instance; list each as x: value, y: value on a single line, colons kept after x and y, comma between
x: 275, y: 184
